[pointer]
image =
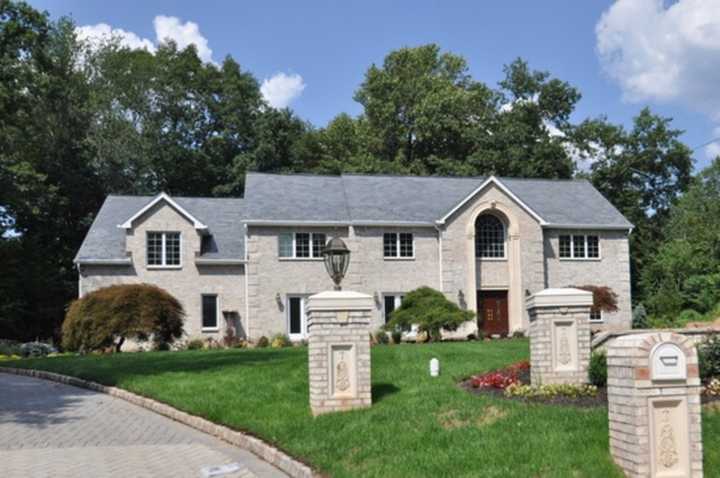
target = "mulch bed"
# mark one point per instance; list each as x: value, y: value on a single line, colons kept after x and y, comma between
x: 600, y: 400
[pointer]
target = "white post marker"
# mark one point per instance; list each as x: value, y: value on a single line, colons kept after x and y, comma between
x: 434, y: 367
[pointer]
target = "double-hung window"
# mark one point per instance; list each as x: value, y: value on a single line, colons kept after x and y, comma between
x: 301, y: 245
x: 596, y: 315
x: 578, y: 246
x: 163, y: 249
x: 398, y: 245
x: 209, y: 312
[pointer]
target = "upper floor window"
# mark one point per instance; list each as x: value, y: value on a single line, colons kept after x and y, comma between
x: 489, y: 237
x: 163, y: 249
x: 578, y: 246
x: 301, y: 245
x: 398, y: 244
x: 596, y: 315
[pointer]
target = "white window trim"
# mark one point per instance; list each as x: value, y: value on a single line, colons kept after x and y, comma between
x: 600, y: 320
x: 398, y: 257
x: 303, y: 316
x: 217, y: 313
x: 505, y: 245
x: 294, y: 256
x: 572, y: 248
x: 162, y: 251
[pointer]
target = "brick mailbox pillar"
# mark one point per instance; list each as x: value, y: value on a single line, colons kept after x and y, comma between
x: 339, y: 350
x: 559, y: 336
x: 654, y: 406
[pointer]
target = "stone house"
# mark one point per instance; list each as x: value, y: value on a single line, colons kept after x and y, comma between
x: 250, y: 263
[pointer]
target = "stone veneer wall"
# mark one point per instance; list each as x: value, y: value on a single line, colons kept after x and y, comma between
x: 559, y: 341
x: 635, y: 401
x: 338, y: 357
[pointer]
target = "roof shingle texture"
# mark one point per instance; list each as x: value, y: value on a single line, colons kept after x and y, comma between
x: 223, y: 216
x: 348, y: 199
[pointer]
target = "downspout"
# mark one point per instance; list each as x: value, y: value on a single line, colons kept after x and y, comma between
x: 247, y: 294
x: 440, y: 258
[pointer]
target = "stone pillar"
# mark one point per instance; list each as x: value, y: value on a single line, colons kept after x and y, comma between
x: 559, y: 336
x: 339, y: 350
x: 654, y: 406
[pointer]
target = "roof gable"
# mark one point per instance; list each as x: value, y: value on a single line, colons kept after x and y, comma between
x: 128, y: 224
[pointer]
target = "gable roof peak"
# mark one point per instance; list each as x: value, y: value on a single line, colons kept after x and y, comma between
x: 197, y: 224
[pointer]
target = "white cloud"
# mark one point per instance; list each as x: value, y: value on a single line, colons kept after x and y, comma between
x: 665, y: 54
x: 166, y: 28
x: 281, y: 89
x: 183, y: 34
x: 101, y: 33
x: 712, y: 150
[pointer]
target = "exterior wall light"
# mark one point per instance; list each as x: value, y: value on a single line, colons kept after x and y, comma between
x: 337, y: 260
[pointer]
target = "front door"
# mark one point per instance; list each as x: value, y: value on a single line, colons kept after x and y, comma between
x: 492, y: 308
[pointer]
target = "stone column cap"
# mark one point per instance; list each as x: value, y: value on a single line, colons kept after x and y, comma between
x: 567, y: 297
x: 340, y: 300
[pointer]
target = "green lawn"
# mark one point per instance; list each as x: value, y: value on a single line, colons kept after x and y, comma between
x: 417, y: 426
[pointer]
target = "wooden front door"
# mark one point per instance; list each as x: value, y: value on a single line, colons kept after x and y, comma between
x: 492, y: 308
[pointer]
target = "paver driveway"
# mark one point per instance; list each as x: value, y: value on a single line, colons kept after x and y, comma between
x: 53, y: 430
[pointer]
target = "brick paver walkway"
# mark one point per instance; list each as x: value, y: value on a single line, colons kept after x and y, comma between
x: 53, y: 430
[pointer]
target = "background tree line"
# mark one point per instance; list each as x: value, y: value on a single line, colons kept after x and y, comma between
x: 78, y: 122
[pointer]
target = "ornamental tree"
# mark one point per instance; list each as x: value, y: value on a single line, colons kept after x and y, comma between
x: 431, y: 311
x: 109, y: 316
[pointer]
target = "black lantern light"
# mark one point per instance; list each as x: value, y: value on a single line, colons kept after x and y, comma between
x: 337, y: 260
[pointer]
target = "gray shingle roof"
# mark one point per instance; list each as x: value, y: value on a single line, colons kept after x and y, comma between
x: 347, y: 199
x: 413, y: 199
x: 223, y: 216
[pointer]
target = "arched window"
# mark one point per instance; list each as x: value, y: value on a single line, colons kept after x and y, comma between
x: 489, y: 237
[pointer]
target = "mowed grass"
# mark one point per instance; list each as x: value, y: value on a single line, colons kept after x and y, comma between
x: 417, y: 426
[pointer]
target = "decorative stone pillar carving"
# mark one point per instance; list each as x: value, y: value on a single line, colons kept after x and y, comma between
x: 654, y: 406
x: 559, y: 336
x: 339, y: 350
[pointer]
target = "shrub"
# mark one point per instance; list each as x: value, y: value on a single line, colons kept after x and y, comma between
x: 36, y: 349
x: 709, y: 358
x: 431, y: 311
x: 639, y: 317
x: 551, y: 390
x: 604, y: 298
x: 381, y: 338
x: 109, y: 316
x: 687, y: 316
x: 279, y: 341
x: 396, y: 336
x: 9, y: 347
x: 713, y: 388
x: 518, y: 334
x: 598, y: 369
x: 196, y: 344
x: 230, y: 339
x: 262, y: 342
x: 4, y: 358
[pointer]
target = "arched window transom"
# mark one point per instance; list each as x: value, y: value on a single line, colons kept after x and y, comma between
x: 489, y: 237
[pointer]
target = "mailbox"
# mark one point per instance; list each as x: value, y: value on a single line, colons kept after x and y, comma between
x: 667, y: 362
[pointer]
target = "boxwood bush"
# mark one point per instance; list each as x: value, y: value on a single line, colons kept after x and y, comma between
x: 598, y: 369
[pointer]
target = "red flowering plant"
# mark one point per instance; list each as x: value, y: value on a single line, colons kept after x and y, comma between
x: 500, y: 379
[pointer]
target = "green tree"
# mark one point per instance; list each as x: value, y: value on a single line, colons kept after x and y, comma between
x: 422, y: 104
x: 431, y: 311
x: 685, y: 271
x: 642, y: 172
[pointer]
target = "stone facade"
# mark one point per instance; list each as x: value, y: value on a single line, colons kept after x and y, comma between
x: 339, y: 351
x: 257, y: 288
x: 654, y: 406
x: 559, y: 336
x: 187, y: 283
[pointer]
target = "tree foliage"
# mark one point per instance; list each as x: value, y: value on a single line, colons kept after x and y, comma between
x: 684, y: 273
x: 431, y: 311
x: 108, y: 316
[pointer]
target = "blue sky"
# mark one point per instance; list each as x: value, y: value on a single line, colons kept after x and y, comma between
x: 621, y: 55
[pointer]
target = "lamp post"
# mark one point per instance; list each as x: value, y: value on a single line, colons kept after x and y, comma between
x: 337, y: 260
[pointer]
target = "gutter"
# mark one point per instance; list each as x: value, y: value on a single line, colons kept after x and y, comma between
x: 104, y: 262
x: 599, y: 227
